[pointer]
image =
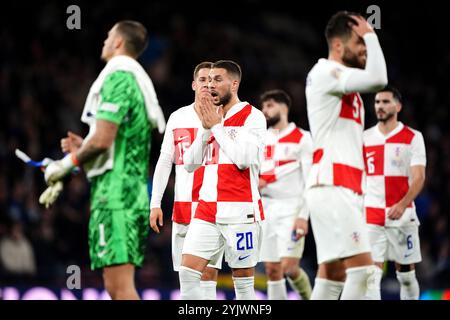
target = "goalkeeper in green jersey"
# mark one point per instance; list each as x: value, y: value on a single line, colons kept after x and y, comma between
x: 121, y: 109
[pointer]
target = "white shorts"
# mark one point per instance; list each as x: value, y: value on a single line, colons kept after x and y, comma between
x: 277, y: 239
x: 241, y: 242
x: 179, y: 232
x: 338, y: 222
x: 399, y: 244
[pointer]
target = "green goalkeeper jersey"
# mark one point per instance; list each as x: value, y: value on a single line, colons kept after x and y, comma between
x: 125, y: 186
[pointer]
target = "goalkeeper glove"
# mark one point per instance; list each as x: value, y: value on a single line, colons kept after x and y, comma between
x: 49, y: 196
x: 56, y: 170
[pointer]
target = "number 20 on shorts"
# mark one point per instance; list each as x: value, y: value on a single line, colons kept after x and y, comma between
x: 244, y: 241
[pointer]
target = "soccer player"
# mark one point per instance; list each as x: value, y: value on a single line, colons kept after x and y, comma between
x: 335, y: 184
x: 121, y: 110
x: 182, y: 128
x: 287, y: 161
x: 230, y: 145
x: 395, y: 165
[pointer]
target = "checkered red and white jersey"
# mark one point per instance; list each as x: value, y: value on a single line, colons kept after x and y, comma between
x: 287, y: 161
x: 336, y: 120
x: 388, y: 161
x: 231, y: 163
x: 181, y: 130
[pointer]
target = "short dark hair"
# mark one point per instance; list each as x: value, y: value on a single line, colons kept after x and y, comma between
x: 202, y: 65
x: 231, y: 67
x: 395, y: 93
x: 277, y: 95
x: 340, y: 26
x: 135, y: 35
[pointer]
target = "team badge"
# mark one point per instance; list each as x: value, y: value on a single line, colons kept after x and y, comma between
x: 355, y: 236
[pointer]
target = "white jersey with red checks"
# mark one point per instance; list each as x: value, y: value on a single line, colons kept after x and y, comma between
x: 388, y: 161
x: 181, y: 130
x: 287, y: 161
x: 336, y: 120
x: 230, y: 153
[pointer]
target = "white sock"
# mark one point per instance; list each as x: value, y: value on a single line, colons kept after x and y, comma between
x: 359, y: 281
x: 209, y: 290
x: 301, y: 285
x: 325, y: 289
x: 276, y: 290
x: 190, y: 284
x: 374, y: 284
x: 244, y: 287
x: 409, y: 287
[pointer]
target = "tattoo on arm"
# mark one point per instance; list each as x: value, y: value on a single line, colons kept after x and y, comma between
x: 103, y: 138
x: 88, y: 152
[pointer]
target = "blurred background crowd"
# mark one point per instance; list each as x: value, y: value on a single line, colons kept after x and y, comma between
x: 46, y: 71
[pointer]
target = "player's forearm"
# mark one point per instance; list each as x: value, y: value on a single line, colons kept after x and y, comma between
x: 194, y: 155
x: 374, y: 76
x: 160, y: 178
x: 243, y: 150
x: 413, y: 191
x: 91, y: 149
x: 99, y: 142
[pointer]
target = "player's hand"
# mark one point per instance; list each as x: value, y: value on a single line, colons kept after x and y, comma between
x: 71, y: 143
x: 300, y: 228
x: 362, y: 27
x: 262, y: 183
x: 396, y: 211
x: 56, y: 170
x: 156, y: 218
x: 49, y: 196
x: 210, y: 113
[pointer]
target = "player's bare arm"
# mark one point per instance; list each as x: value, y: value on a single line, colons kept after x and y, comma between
x: 418, y: 180
x: 103, y: 138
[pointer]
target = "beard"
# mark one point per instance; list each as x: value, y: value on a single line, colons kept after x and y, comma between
x: 385, y: 117
x: 273, y: 120
x: 103, y: 56
x: 225, y: 99
x: 352, y: 60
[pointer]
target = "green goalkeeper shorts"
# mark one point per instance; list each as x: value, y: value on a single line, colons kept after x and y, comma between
x: 117, y: 237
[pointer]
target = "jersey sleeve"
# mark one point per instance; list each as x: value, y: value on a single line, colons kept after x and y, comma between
x: 339, y: 79
x: 160, y: 179
x: 306, y: 154
x: 329, y: 78
x: 167, y: 145
x: 418, y: 156
x: 247, y: 146
x: 374, y: 76
x: 115, y: 97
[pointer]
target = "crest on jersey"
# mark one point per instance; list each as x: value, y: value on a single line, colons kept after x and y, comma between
x: 232, y: 133
x: 397, y: 159
x: 355, y: 236
x: 336, y: 72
